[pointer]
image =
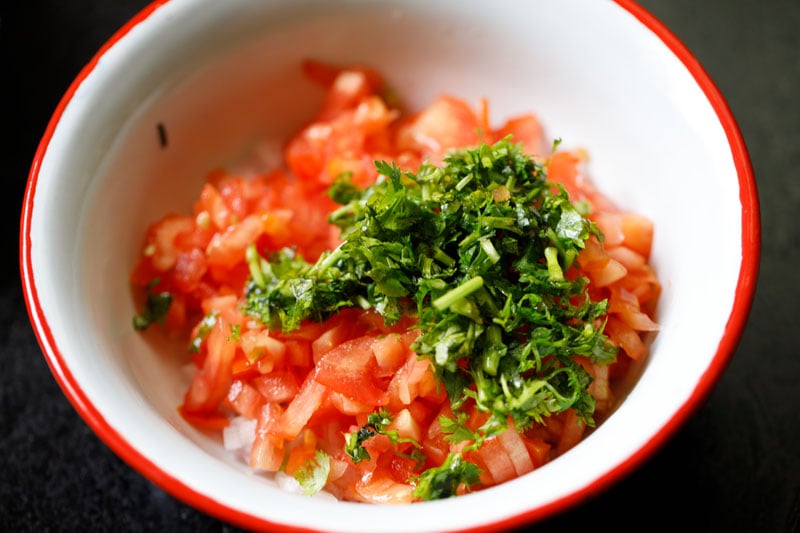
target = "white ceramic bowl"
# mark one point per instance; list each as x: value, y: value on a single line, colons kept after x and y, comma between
x: 223, y: 76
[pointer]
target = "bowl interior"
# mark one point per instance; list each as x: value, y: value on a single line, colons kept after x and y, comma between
x: 220, y: 82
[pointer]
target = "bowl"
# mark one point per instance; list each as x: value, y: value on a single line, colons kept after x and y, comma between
x: 220, y: 80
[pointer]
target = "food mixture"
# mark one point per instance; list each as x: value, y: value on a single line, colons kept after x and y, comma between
x: 413, y: 306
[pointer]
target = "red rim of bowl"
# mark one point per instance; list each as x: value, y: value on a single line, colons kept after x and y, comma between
x: 745, y: 289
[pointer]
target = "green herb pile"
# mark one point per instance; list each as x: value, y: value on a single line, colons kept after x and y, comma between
x: 481, y: 251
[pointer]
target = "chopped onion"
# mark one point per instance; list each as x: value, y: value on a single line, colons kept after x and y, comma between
x: 240, y: 433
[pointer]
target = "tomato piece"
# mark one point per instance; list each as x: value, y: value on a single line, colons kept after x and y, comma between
x: 301, y: 409
x: 348, y: 406
x: 538, y: 449
x: 562, y: 167
x: 228, y: 248
x: 517, y: 451
x: 382, y: 488
x: 211, y: 382
x: 261, y: 346
x: 245, y: 399
x: 348, y: 89
x: 435, y: 446
x: 406, y: 426
x: 350, y: 369
x: 497, y: 460
x: 212, y: 203
x: 242, y: 368
x: 414, y: 379
x: 390, y: 353
x: 611, y: 272
x: 610, y: 224
x: 277, y: 386
x: 298, y: 353
x: 630, y: 259
x: 190, y: 267
x: 526, y: 130
x: 572, y: 432
x: 638, y: 231
x: 177, y: 315
x: 600, y: 388
x: 325, y: 74
x: 301, y: 451
x: 267, y: 451
x: 338, y: 333
x: 625, y: 337
x: 214, y: 421
x: 446, y: 123
x: 161, y: 240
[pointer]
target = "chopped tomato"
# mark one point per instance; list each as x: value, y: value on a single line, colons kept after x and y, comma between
x: 245, y: 399
x: 446, y: 123
x: 527, y: 130
x: 268, y: 449
x: 349, y: 368
x: 211, y: 383
x: 301, y: 409
x: 277, y: 386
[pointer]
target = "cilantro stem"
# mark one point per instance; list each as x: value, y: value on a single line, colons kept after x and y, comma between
x: 488, y: 247
x: 553, y: 268
x: 253, y: 263
x: 330, y: 259
x: 442, y: 257
x: 456, y: 294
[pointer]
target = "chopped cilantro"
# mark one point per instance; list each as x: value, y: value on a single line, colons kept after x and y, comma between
x: 236, y: 333
x: 313, y: 475
x: 206, y: 324
x: 155, y: 308
x: 445, y: 480
x: 377, y: 424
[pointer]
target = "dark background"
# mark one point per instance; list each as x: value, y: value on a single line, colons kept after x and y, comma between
x: 735, y: 466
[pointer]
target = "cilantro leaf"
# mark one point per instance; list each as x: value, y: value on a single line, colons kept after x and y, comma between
x: 155, y: 308
x: 313, y: 475
x: 445, y: 480
x: 377, y: 424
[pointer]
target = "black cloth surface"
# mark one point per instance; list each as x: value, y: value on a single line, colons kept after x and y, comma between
x: 735, y: 466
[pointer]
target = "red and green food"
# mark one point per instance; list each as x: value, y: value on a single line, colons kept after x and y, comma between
x: 413, y: 306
